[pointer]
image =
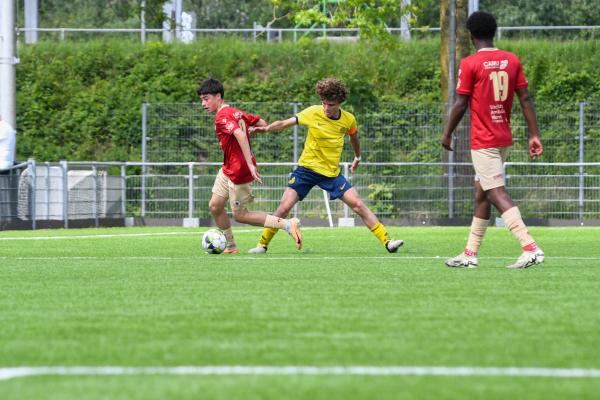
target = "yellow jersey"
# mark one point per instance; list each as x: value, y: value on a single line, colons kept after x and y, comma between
x: 325, y: 139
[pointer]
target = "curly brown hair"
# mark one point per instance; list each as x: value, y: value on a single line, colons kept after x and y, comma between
x: 332, y: 89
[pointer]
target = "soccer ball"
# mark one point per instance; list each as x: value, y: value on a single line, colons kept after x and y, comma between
x: 214, y: 241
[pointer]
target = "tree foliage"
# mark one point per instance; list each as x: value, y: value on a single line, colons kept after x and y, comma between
x: 371, y: 17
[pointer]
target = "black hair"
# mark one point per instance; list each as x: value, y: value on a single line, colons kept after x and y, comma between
x: 211, y: 86
x: 482, y: 25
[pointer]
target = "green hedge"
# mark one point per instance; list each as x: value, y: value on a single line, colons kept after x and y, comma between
x: 82, y: 101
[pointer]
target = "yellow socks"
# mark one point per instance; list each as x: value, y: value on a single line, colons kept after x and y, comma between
x: 381, y: 233
x: 478, y: 228
x: 514, y: 222
x: 267, y: 236
x: 272, y: 225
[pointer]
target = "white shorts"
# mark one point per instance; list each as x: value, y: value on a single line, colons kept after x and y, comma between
x: 489, y: 166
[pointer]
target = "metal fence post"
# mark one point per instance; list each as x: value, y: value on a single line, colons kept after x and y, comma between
x: 65, y: 177
x: 451, y: 181
x: 295, y: 112
x: 190, y: 190
x: 33, y: 189
x: 143, y: 21
x: 95, y: 189
x: 144, y: 158
x: 47, y: 191
x: 346, y: 208
x: 123, y: 191
x: 581, y: 159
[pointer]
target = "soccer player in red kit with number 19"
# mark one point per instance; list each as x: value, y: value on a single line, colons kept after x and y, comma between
x: 487, y: 81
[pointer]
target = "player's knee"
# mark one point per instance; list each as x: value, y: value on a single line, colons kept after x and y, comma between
x: 359, y: 207
x: 215, y: 208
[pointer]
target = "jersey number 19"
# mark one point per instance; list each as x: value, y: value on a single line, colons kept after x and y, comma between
x: 500, y: 81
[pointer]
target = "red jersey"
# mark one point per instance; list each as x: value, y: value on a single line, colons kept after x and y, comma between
x: 234, y: 164
x: 490, y: 78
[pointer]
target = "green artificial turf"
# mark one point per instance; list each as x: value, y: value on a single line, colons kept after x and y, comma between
x: 157, y: 300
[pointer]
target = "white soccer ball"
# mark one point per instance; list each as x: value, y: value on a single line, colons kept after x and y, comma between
x: 214, y: 241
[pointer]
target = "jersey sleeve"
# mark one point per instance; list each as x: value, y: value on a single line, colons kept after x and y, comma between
x: 251, y: 119
x: 304, y: 116
x: 521, y: 80
x: 353, y: 129
x: 464, y: 83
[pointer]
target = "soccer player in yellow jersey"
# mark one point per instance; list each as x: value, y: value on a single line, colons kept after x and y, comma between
x: 328, y: 125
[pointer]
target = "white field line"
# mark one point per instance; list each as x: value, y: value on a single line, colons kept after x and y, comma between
x: 104, y: 236
x: 265, y: 258
x: 17, y: 372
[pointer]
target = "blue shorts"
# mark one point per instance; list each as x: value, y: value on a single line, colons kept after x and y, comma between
x: 303, y: 179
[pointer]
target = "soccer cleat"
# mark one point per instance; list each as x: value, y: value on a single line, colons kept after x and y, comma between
x: 293, y: 228
x: 392, y: 246
x: 231, y: 251
x: 528, y: 259
x: 258, y: 250
x: 462, y: 261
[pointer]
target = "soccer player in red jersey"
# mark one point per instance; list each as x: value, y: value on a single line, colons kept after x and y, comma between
x: 487, y: 81
x: 233, y: 182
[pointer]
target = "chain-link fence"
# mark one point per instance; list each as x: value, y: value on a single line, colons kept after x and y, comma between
x: 417, y: 191
x: 403, y: 174
x: 389, y: 132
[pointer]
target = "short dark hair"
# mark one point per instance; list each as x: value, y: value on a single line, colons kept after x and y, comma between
x: 211, y: 86
x: 482, y: 25
x: 332, y: 89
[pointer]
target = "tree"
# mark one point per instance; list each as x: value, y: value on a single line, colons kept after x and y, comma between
x: 461, y: 146
x: 371, y: 17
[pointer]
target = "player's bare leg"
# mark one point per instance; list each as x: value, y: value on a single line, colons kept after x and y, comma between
x: 353, y: 200
x: 216, y: 206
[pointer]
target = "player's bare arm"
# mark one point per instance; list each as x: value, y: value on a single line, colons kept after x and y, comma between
x: 261, y: 123
x: 355, y: 143
x: 275, y: 126
x: 535, y: 145
x: 456, y: 113
x: 242, y: 139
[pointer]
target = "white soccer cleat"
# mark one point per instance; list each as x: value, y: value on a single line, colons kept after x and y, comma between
x: 393, y: 245
x: 462, y: 261
x: 293, y: 228
x: 258, y: 250
x: 528, y: 259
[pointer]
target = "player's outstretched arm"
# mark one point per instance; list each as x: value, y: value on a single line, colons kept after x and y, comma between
x: 275, y: 126
x: 456, y: 113
x: 252, y: 129
x: 535, y: 144
x: 240, y: 136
